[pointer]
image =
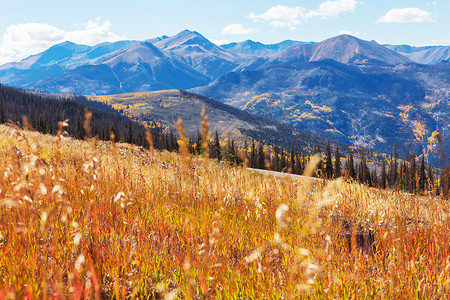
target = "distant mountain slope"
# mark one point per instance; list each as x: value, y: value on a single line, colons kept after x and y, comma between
x: 370, y: 107
x: 169, y: 105
x: 198, y: 52
x: 183, y: 61
x: 139, y: 67
x: 423, y: 55
x: 67, y: 55
x: 250, y: 47
x: 345, y: 49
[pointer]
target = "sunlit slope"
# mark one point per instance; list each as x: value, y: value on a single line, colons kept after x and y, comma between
x: 169, y: 105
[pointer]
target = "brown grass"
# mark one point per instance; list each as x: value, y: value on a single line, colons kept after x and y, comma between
x: 97, y: 220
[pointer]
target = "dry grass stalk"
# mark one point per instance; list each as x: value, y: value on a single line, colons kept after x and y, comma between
x: 183, y: 143
x: 26, y: 124
x: 149, y: 138
x: 205, y: 132
x: 267, y: 161
x: 87, y: 123
x: 243, y: 157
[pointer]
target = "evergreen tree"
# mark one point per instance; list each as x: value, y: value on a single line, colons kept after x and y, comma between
x: 430, y: 178
x: 445, y: 181
x: 422, y: 174
x: 276, y: 159
x: 298, y: 163
x: 328, y: 162
x: 130, y: 132
x: 364, y: 173
x: 302, y: 164
x: 292, y: 162
x: 261, y: 157
x: 337, y: 164
x: 253, y: 155
x: 283, y: 160
x: 373, y: 178
x: 215, y: 147
x: 351, y: 172
x: 383, y: 175
x: 79, y: 130
x: 234, y: 152
x: 412, y: 174
x: 228, y: 154
x: 395, y: 167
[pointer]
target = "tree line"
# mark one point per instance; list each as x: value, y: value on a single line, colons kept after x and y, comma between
x: 43, y: 112
x: 409, y: 175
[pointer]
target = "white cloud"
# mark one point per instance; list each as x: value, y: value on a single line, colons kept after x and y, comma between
x: 279, y: 12
x: 220, y: 42
x: 237, y: 29
x: 333, y: 8
x: 406, y: 15
x: 22, y: 40
x: 291, y: 25
x: 349, y: 32
x: 432, y: 3
x: 281, y: 16
x: 439, y: 43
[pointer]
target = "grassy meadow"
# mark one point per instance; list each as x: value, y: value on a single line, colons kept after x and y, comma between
x: 92, y: 219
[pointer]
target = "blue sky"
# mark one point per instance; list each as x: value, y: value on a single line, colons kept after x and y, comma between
x: 29, y: 26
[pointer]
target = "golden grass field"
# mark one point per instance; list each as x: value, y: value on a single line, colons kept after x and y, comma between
x: 90, y: 219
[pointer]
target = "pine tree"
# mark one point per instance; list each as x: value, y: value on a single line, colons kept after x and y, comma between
x: 430, y: 178
x: 373, y: 178
x: 383, y: 175
x: 328, y: 162
x: 283, y: 160
x: 422, y: 174
x: 276, y: 159
x: 215, y: 147
x: 337, y: 164
x: 228, y: 154
x: 292, y: 162
x: 394, y: 167
x: 364, y: 170
x: 79, y: 130
x: 412, y: 174
x: 130, y: 132
x: 261, y: 157
x: 253, y: 155
x: 199, y: 143
x: 234, y: 152
x: 351, y: 172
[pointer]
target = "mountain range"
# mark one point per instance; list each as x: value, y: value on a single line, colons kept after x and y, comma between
x: 343, y: 88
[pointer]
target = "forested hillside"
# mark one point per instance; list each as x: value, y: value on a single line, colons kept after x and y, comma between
x: 42, y: 112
